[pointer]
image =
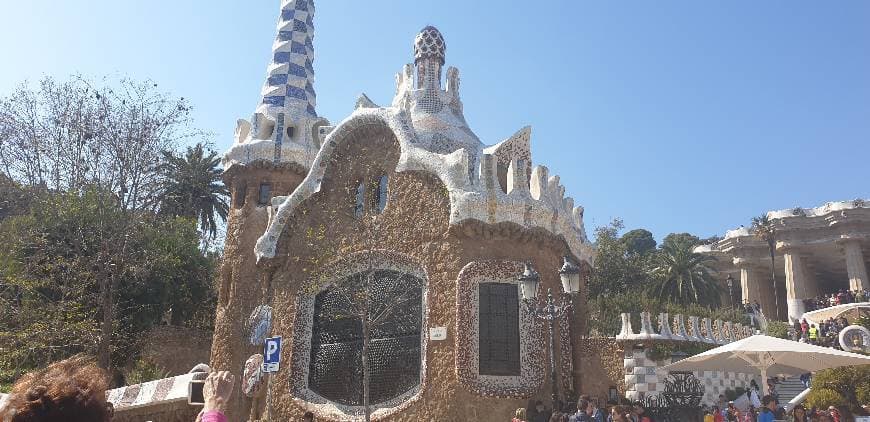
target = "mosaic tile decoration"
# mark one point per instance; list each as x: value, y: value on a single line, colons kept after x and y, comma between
x: 288, y: 98
x: 290, y: 79
x: 433, y: 139
x: 644, y: 377
x: 532, y: 346
x: 302, y: 332
x: 713, y: 332
x: 164, y: 390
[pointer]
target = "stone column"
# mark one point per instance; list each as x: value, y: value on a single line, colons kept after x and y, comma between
x: 795, y: 284
x: 749, y: 285
x: 855, y: 266
x: 756, y: 286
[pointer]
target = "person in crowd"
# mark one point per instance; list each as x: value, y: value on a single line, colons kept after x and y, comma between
x: 72, y: 390
x: 708, y: 414
x: 639, y: 413
x: 520, y: 415
x: 717, y: 414
x: 531, y: 410
x: 731, y: 413
x: 308, y: 417
x: 835, y: 413
x: 541, y: 413
x: 597, y: 413
x: 813, y: 334
x: 619, y: 414
x: 556, y: 417
x: 750, y: 415
x: 768, y: 406
x: 805, y: 379
x: 584, y: 411
x: 216, y: 391
x: 799, y: 414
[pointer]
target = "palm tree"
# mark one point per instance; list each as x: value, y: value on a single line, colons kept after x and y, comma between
x: 763, y: 228
x: 682, y: 276
x: 193, y: 188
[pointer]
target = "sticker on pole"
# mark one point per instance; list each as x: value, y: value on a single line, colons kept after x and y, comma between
x: 272, y: 354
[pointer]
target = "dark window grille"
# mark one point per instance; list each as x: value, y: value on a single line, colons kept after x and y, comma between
x: 359, y: 205
x: 240, y: 194
x: 380, y: 199
x: 499, y: 326
x: 335, y: 370
x: 265, y: 195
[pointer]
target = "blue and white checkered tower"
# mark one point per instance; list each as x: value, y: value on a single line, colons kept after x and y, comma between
x: 289, y: 87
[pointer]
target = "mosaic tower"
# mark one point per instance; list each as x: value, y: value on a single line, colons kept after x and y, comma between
x: 289, y: 87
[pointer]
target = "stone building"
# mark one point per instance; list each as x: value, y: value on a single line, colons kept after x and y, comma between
x: 405, y: 200
x: 819, y: 251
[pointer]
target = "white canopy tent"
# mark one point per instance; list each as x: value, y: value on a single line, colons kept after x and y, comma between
x: 849, y: 310
x: 769, y: 356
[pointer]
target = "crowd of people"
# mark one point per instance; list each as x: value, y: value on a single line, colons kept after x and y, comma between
x: 767, y: 409
x: 771, y: 411
x: 586, y: 409
x: 826, y: 334
x: 842, y: 297
x: 74, y: 390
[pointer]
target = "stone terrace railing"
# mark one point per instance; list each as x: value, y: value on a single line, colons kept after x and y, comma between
x: 713, y: 332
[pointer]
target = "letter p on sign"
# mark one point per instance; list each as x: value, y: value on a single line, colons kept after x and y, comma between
x: 272, y: 354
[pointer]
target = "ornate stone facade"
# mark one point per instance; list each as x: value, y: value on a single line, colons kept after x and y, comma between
x: 413, y: 185
x: 817, y: 251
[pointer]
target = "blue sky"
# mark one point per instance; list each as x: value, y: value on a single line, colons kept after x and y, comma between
x: 672, y: 115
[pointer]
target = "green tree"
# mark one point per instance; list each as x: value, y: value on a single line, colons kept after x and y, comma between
x: 679, y: 239
x: 616, y: 270
x: 681, y: 275
x: 74, y: 261
x: 639, y: 241
x: 763, y: 228
x: 193, y: 187
x: 846, y: 386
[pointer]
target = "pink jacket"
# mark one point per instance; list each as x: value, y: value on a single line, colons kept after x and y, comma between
x: 213, y: 416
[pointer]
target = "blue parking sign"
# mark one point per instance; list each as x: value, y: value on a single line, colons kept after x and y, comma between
x: 272, y: 354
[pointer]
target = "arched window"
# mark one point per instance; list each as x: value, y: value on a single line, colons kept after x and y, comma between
x: 380, y: 199
x: 359, y: 206
x: 396, y: 308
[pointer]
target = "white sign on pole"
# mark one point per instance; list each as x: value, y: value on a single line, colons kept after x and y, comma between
x: 438, y: 333
x: 272, y: 354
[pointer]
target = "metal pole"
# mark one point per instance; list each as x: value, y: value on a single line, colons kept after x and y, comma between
x: 731, y: 295
x: 552, y: 318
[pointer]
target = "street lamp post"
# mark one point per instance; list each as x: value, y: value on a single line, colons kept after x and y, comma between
x: 550, y: 310
x: 730, y: 282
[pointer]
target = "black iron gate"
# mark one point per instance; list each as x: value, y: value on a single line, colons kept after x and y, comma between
x: 681, y: 400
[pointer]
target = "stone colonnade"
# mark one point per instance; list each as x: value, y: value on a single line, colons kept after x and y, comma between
x: 801, y: 283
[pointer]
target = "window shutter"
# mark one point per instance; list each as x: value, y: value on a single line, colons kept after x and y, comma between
x: 499, y: 329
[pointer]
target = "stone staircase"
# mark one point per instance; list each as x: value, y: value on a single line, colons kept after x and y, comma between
x: 789, y: 389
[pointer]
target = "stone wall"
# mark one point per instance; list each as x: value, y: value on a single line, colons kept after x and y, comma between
x: 240, y: 285
x: 177, y: 349
x: 644, y: 378
x: 601, y: 367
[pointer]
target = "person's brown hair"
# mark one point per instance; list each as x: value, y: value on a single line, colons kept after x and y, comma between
x: 72, y: 390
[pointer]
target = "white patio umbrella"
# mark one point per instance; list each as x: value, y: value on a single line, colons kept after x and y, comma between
x: 770, y: 356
